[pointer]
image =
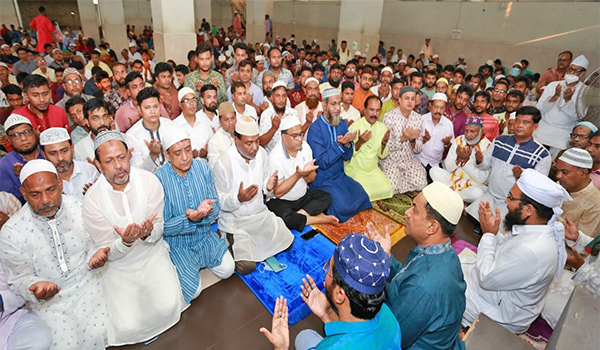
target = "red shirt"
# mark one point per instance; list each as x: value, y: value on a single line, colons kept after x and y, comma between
x: 53, y: 117
x: 491, y: 127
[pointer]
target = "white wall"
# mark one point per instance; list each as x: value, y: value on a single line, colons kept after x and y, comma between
x: 138, y: 13
x: 307, y: 19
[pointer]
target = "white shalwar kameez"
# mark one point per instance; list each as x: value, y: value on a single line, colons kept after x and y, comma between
x: 35, y: 249
x: 258, y: 233
x: 140, y: 283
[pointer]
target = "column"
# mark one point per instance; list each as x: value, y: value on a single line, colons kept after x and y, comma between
x: 88, y: 16
x: 202, y: 9
x: 112, y: 17
x: 8, y: 13
x: 360, y: 22
x: 255, y: 19
x: 174, y: 33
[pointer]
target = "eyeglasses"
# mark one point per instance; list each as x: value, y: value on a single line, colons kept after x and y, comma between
x: 579, y: 136
x: 499, y: 90
x: 581, y: 70
x: 73, y: 82
x: 17, y: 135
x: 296, y: 136
x: 512, y: 198
x: 189, y: 101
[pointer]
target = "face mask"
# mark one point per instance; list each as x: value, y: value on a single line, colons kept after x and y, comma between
x: 515, y: 71
x: 571, y: 78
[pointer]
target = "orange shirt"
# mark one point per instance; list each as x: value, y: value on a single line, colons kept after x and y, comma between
x: 360, y: 97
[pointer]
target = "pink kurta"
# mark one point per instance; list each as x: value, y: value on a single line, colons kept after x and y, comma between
x: 44, y: 29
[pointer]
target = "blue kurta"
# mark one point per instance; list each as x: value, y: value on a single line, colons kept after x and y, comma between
x: 347, y: 196
x: 427, y: 295
x: 10, y: 182
x: 193, y: 245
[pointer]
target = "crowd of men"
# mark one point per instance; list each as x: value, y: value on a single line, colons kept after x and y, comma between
x: 112, y: 172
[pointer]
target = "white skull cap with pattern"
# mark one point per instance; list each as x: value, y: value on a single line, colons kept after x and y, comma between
x: 36, y: 166
x: 329, y: 92
x: 14, y: 120
x: 108, y: 135
x: 246, y: 126
x: 54, y: 135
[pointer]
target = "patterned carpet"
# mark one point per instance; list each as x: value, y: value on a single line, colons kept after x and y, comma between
x: 358, y: 223
x: 396, y: 206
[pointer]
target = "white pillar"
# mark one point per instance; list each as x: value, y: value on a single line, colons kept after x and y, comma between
x: 8, y: 13
x: 360, y: 22
x: 174, y: 33
x: 202, y: 9
x: 255, y: 19
x: 112, y: 17
x: 88, y: 16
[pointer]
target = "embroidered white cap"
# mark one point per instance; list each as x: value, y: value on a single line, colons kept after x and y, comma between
x: 445, y: 201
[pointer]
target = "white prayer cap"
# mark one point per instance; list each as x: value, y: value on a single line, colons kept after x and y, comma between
x: 439, y: 96
x: 285, y: 53
x: 222, y: 58
x: 259, y: 58
x: 412, y: 70
x: 402, y: 61
x: 421, y: 52
x: 132, y: 44
x: 289, y: 122
x: 174, y: 133
x: 512, y: 116
x: 445, y: 201
x: 435, y: 56
x: 311, y: 79
x: 54, y: 135
x: 517, y: 64
x: 2, y: 64
x: 364, y: 55
x: 499, y: 76
x: 577, y: 157
x: 108, y: 135
x: 357, y: 53
x: 184, y: 91
x: 3, y: 46
x: 14, y: 120
x: 544, y: 191
x: 489, y: 63
x: 278, y: 84
x: 580, y: 61
x: 315, y: 40
x: 387, y: 69
x: 227, y: 39
x: 462, y: 66
x: 330, y: 92
x: 36, y: 166
x: 247, y: 126
x: 461, y: 57
x: 455, y: 87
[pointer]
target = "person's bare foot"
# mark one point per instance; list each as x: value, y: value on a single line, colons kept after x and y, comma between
x: 319, y: 219
x: 382, y: 205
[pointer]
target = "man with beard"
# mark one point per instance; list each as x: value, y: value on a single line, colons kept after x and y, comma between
x: 223, y: 137
x: 426, y: 293
x: 429, y: 84
x: 457, y: 111
x: 352, y: 307
x: 594, y: 150
x: 509, y: 278
x: 383, y: 89
x: 350, y: 73
x: 254, y: 94
x: 123, y: 213
x: 581, y: 134
x: 196, y: 124
x: 514, y: 101
x: 422, y: 101
x: 363, y: 91
x: 573, y: 174
x: 460, y: 172
x: 498, y: 94
x: 401, y: 167
x: 508, y: 156
x: 396, y: 85
x: 208, y: 97
x: 128, y: 114
x: 281, y: 73
x: 116, y: 97
x: 332, y: 145
x: 491, y: 125
x: 191, y: 205
x: 205, y: 75
x: 38, y: 110
x: 311, y: 108
x: 97, y: 119
x: 240, y: 53
x: 370, y: 145
x: 76, y: 176
x: 439, y: 133
x: 299, y: 95
x: 270, y: 119
x: 334, y: 78
x: 163, y: 76
x: 242, y: 177
x: 24, y: 142
x: 48, y: 256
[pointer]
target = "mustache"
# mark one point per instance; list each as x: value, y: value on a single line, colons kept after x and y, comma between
x: 47, y: 206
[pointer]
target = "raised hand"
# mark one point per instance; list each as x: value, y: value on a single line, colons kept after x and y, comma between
x: 386, y: 137
x: 147, y: 226
x: 427, y: 136
x: 479, y: 155
x: 575, y: 259
x: 275, y: 122
x: 571, y: 231
x: 568, y: 93
x: 215, y: 82
x: 246, y: 194
x: 489, y: 222
x: 44, y: 290
x: 365, y: 136
x: 17, y: 169
x: 130, y: 233
x: 100, y: 258
x: 203, y: 210
x: 308, y: 168
x: 517, y: 171
x: 310, y: 115
x: 383, y: 91
x: 86, y: 187
x: 199, y: 85
x: 279, y: 335
x: 346, y: 139
x: 154, y: 147
x: 384, y: 239
x: 446, y: 140
x: 558, y: 91
x: 272, y: 181
x: 314, y: 298
x: 203, y: 151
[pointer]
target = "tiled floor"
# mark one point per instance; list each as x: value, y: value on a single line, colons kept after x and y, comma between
x: 228, y: 316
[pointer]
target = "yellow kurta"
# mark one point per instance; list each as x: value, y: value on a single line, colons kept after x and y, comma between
x: 363, y: 167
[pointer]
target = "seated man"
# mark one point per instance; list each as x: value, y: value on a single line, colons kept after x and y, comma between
x: 332, y: 144
x: 270, y: 119
x: 439, y: 133
x: 240, y: 101
x: 460, y: 171
x: 195, y: 122
x: 292, y: 159
x: 370, y: 145
x: 310, y: 108
x: 254, y: 232
x: 401, y: 167
x: 191, y: 205
x: 123, y: 211
x: 97, y: 119
x: 573, y: 174
x: 354, y: 286
x: 347, y: 110
x: 508, y: 156
x: 582, y: 133
x: 427, y: 292
x: 509, y: 278
x: 24, y: 142
x: 45, y: 251
x: 223, y: 137
x: 76, y: 176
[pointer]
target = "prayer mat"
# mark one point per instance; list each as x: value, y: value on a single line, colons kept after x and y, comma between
x: 396, y: 206
x: 538, y: 333
x: 305, y: 257
x: 358, y: 223
x: 459, y: 245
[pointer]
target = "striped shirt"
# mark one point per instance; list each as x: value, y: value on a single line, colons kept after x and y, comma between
x: 193, y: 245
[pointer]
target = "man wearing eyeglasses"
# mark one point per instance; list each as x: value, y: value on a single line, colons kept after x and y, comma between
x: 24, y: 141
x: 556, y: 74
x: 582, y: 132
x: 497, y: 98
x: 195, y: 123
x: 73, y: 85
x: 557, y: 105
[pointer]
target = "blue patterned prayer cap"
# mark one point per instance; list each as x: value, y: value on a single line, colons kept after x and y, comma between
x: 362, y: 263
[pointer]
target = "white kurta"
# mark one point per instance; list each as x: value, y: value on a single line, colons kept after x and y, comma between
x: 218, y: 144
x: 35, y: 249
x: 136, y: 137
x: 140, y: 283
x: 509, y: 279
x: 249, y: 111
x: 433, y: 149
x: 200, y: 132
x: 258, y: 233
x: 266, y: 123
x: 84, y: 148
x: 214, y: 122
x: 83, y: 173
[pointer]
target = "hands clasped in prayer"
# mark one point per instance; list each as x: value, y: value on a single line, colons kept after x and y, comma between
x: 246, y: 194
x: 308, y: 168
x: 409, y: 134
x: 489, y: 222
x: 155, y: 148
x: 346, y: 139
x: 134, y: 231
x: 204, y: 210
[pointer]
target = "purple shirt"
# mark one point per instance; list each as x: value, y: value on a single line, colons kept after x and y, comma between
x: 9, y: 181
x: 459, y: 120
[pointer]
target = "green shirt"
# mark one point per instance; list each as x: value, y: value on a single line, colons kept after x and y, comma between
x: 193, y: 77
